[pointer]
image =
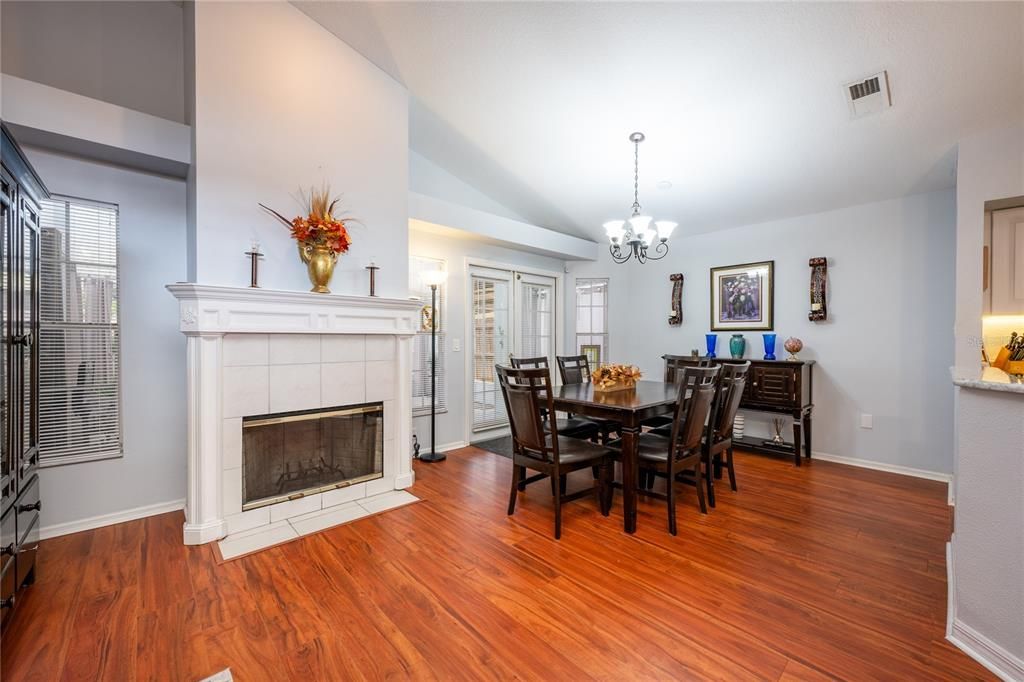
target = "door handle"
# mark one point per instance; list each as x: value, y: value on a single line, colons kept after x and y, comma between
x: 8, y: 550
x: 35, y: 506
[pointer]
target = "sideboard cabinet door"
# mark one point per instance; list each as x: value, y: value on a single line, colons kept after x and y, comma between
x: 773, y: 385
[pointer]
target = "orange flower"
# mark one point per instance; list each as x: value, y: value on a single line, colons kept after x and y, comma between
x: 319, y: 227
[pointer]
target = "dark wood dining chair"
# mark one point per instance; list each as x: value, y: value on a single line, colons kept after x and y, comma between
x: 538, y: 446
x: 674, y: 364
x: 718, y: 437
x: 575, y: 369
x: 573, y: 427
x: 718, y: 434
x: 682, y: 450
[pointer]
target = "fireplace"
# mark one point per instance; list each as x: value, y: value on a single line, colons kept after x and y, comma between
x: 260, y: 354
x: 288, y: 455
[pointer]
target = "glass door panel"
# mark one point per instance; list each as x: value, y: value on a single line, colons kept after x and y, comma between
x: 491, y: 292
x: 535, y: 323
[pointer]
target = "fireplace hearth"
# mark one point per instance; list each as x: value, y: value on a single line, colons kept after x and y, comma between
x: 288, y: 455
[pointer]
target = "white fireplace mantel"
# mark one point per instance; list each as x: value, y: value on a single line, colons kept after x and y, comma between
x: 212, y: 309
x: 209, y: 314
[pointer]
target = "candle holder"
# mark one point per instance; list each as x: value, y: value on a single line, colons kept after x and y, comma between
x: 254, y: 265
x: 373, y: 268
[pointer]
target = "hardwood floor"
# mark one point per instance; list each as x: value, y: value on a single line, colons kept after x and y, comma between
x: 814, y: 573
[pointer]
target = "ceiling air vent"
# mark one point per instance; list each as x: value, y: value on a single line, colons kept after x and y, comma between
x: 868, y: 96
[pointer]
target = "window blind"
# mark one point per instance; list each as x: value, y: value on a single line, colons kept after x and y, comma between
x: 592, y: 319
x: 79, y: 335
x: 421, y: 344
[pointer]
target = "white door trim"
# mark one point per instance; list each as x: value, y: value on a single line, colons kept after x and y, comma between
x: 470, y: 262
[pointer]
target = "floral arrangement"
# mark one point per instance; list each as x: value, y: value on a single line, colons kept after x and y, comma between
x: 319, y: 227
x: 610, y: 377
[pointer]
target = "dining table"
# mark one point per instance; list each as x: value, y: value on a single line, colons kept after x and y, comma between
x: 629, y: 407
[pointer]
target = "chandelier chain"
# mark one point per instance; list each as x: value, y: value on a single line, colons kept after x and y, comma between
x: 636, y: 178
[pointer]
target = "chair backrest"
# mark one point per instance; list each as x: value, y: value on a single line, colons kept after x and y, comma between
x: 727, y: 400
x: 575, y: 369
x: 674, y: 364
x: 528, y: 363
x: 527, y: 394
x: 688, y: 428
x: 692, y: 382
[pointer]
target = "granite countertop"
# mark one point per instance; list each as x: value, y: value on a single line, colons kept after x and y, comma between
x: 987, y: 379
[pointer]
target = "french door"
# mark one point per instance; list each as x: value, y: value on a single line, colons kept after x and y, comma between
x: 512, y: 314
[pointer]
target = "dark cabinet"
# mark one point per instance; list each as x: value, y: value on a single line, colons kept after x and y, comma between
x: 783, y: 387
x: 20, y: 195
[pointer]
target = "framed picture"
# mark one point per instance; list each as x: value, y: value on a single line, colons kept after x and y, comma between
x: 743, y: 297
x: 593, y: 353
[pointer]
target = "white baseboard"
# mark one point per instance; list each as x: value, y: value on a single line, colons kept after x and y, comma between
x: 882, y: 466
x: 979, y: 647
x: 90, y: 523
x: 982, y: 649
x: 950, y: 589
x: 452, y: 446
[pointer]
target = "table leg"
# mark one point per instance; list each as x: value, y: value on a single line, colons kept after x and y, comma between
x: 796, y: 441
x: 807, y: 435
x: 630, y: 458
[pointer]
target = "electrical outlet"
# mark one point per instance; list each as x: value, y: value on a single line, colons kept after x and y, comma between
x: 456, y: 345
x: 865, y: 421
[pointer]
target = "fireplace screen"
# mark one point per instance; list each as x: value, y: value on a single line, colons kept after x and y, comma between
x: 291, y: 454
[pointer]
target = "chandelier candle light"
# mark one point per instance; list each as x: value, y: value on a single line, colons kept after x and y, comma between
x: 633, y: 237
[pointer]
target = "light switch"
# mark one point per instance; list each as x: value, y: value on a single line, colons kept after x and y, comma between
x: 456, y: 345
x: 865, y: 421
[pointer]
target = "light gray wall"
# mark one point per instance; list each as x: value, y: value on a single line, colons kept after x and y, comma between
x: 451, y: 426
x: 151, y: 255
x: 281, y: 104
x: 427, y: 178
x: 125, y: 53
x: 885, y: 349
x: 988, y: 542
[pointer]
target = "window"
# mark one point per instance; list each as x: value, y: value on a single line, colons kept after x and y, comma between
x: 79, y: 336
x: 421, y: 344
x: 592, y: 319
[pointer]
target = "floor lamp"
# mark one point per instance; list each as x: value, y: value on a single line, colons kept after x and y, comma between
x: 433, y: 278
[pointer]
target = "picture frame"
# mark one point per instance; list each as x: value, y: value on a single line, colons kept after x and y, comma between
x: 743, y: 297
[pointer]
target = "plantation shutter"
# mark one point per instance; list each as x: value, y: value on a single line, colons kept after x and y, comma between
x: 79, y: 342
x: 421, y: 344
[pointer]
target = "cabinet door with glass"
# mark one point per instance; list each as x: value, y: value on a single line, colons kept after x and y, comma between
x: 8, y: 465
x: 27, y: 339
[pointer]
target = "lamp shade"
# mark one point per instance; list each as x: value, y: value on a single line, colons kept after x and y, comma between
x: 432, y: 278
x: 665, y: 228
x: 639, y: 224
x: 614, y: 229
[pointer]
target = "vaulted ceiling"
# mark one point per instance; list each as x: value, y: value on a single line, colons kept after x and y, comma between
x: 742, y: 104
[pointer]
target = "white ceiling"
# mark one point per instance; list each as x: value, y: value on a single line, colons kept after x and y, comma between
x: 742, y: 104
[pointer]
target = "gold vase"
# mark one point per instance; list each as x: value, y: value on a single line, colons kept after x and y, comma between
x: 320, y: 262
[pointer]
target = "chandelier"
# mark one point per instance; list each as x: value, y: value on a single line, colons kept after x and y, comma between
x: 634, y: 237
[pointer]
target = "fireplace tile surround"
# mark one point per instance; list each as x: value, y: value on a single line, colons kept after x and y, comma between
x: 255, y: 352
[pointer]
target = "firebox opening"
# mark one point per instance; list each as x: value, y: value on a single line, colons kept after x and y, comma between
x: 289, y: 455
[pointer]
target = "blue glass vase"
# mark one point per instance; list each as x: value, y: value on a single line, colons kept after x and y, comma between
x: 712, y: 342
x: 769, y: 346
